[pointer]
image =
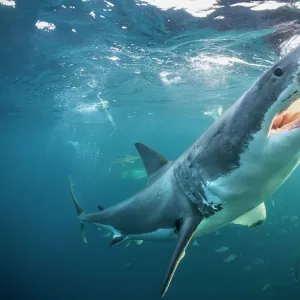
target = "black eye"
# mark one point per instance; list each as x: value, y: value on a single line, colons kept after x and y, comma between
x: 278, y: 72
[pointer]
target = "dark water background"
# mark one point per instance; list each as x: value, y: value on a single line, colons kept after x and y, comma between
x: 71, y: 102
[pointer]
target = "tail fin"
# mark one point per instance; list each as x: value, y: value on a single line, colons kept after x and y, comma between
x: 79, y: 210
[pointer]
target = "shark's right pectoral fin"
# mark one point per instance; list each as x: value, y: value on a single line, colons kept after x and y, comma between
x: 254, y: 217
x: 185, y: 235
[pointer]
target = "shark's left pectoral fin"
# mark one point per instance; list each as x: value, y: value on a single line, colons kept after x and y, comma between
x: 117, y: 240
x: 254, y: 217
x: 185, y: 235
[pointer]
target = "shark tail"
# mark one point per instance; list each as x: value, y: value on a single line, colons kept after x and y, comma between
x: 79, y: 210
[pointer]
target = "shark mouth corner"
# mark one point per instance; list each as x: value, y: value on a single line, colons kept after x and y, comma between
x: 286, y: 120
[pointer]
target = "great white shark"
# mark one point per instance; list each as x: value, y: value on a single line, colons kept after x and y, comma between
x: 224, y: 177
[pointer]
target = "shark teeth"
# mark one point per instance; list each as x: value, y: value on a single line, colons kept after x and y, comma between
x: 287, y: 120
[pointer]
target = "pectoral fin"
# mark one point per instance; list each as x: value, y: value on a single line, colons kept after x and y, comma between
x: 117, y: 240
x: 253, y: 218
x: 185, y: 235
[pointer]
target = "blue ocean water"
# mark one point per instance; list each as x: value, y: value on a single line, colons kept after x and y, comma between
x: 81, y: 82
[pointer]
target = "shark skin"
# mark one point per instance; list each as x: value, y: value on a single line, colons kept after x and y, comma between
x: 224, y: 177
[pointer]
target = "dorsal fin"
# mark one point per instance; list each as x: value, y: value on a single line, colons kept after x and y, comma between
x: 152, y: 160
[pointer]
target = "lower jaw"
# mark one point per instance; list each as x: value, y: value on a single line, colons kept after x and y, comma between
x: 286, y: 128
x: 287, y: 120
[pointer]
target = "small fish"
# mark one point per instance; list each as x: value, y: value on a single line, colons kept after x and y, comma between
x: 248, y: 268
x: 230, y: 258
x: 259, y: 262
x: 272, y: 202
x: 296, y: 271
x: 222, y: 249
x: 283, y: 231
x: 266, y: 286
x: 290, y: 218
x: 127, y: 265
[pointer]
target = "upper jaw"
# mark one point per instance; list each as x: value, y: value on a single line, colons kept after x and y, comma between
x: 287, y: 119
x: 286, y: 113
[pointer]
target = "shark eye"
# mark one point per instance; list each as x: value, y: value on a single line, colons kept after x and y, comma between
x: 278, y: 72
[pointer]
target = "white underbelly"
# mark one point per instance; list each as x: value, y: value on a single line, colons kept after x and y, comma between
x: 242, y: 191
x: 222, y: 218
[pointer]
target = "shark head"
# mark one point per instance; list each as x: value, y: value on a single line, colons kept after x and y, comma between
x: 264, y: 122
x: 278, y: 139
x: 279, y: 88
x: 278, y: 115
